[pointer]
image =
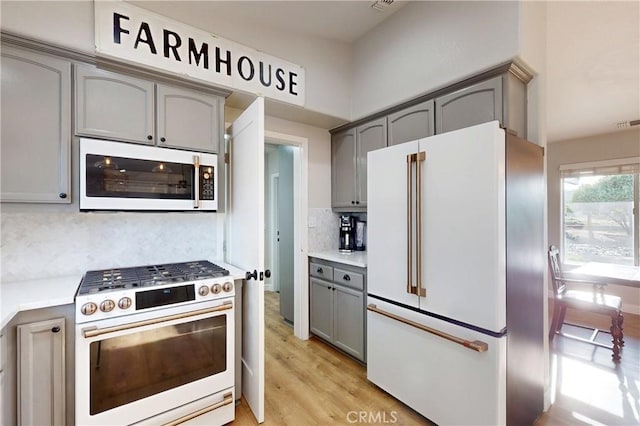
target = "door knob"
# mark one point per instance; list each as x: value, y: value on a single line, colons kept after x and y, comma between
x: 267, y: 273
x: 250, y: 275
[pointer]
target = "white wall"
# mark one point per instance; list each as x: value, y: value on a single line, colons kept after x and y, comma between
x: 593, y: 148
x: 426, y: 45
x: 327, y: 63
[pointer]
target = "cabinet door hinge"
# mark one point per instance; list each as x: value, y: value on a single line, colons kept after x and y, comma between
x: 226, y: 158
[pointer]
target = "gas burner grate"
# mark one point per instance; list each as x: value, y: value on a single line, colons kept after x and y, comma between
x: 143, y: 276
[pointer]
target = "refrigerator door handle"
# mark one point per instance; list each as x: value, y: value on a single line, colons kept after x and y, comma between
x: 420, y: 157
x: 476, y: 345
x: 410, y: 288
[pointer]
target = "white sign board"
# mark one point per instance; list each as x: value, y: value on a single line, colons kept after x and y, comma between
x: 133, y: 34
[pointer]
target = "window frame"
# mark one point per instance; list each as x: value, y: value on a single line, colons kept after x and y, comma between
x: 633, y: 168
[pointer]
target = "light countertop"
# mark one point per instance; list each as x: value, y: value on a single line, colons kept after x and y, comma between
x: 355, y: 258
x: 56, y: 291
x: 34, y: 294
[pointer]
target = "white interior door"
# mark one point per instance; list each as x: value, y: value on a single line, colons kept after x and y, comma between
x: 245, y: 243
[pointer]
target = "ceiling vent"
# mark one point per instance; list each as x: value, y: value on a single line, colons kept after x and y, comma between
x: 625, y: 124
x: 381, y: 5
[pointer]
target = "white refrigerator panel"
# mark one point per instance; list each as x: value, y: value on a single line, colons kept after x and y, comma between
x: 446, y: 382
x: 387, y: 251
x: 463, y: 225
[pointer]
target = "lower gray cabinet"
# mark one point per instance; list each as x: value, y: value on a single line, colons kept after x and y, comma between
x: 41, y: 373
x: 337, y: 305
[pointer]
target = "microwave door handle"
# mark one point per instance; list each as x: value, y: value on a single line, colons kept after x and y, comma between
x: 196, y: 180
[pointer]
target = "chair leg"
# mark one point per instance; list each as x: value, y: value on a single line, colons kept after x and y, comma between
x: 553, y: 329
x: 563, y: 312
x: 616, y: 333
x: 620, y: 321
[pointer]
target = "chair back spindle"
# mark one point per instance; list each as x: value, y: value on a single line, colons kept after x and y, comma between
x: 559, y: 286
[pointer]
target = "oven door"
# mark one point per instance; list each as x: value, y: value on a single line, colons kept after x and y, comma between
x: 132, y: 368
x: 122, y: 176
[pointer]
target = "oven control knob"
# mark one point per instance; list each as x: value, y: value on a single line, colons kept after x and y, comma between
x: 203, y: 290
x: 89, y: 308
x: 124, y: 303
x: 216, y: 288
x: 107, y: 305
x: 228, y: 286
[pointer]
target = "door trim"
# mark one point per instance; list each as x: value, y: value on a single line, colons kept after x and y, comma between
x: 300, y: 231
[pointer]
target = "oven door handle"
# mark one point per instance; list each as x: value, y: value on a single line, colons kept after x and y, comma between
x: 94, y: 331
x: 228, y: 399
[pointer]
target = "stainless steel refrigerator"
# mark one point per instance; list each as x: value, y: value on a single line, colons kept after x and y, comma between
x: 455, y: 276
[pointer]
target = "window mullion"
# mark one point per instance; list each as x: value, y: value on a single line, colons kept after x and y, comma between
x: 636, y: 219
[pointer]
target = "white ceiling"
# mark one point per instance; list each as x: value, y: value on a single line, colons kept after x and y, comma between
x: 593, y: 51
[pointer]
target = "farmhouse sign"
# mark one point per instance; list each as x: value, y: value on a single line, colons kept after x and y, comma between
x: 133, y: 34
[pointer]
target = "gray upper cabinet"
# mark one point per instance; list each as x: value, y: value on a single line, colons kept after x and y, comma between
x: 343, y: 169
x: 36, y: 127
x: 501, y: 98
x: 188, y: 119
x: 119, y: 107
x: 349, y: 150
x: 412, y: 123
x: 369, y: 137
x: 113, y: 106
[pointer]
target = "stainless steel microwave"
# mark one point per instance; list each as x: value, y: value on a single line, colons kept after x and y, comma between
x: 123, y: 176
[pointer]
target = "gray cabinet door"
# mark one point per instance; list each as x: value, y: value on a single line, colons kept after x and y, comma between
x: 36, y: 127
x: 321, y: 312
x: 369, y: 137
x: 188, y: 119
x: 473, y: 105
x: 113, y: 106
x: 349, y: 320
x: 412, y: 123
x: 343, y: 169
x: 41, y: 373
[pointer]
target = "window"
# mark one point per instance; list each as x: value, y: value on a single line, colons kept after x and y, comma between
x: 600, y: 205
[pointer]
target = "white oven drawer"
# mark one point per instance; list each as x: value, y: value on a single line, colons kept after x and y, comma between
x: 216, y: 409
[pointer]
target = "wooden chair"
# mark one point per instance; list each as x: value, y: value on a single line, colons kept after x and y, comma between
x: 594, y: 301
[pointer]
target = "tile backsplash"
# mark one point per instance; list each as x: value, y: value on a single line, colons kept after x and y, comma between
x: 323, y: 230
x: 37, y: 244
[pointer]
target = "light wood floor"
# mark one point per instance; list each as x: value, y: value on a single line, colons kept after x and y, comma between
x: 310, y: 383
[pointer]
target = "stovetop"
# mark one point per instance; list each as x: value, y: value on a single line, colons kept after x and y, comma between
x: 145, y: 276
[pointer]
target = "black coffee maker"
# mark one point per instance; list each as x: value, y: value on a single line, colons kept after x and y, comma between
x: 347, y: 234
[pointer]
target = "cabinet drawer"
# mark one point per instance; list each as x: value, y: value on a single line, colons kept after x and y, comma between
x: 348, y: 278
x: 321, y: 271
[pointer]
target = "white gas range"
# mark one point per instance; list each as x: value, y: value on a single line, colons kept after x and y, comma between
x: 155, y: 345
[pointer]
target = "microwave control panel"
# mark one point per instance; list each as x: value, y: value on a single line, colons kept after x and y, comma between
x: 207, y: 176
